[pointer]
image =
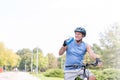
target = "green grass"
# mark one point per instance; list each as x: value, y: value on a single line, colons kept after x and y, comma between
x: 42, y: 77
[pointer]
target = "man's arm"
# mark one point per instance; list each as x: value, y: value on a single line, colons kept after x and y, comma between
x: 94, y: 56
x: 64, y: 47
x: 91, y: 53
x: 62, y: 50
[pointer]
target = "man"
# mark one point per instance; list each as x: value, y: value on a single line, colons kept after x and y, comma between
x: 75, y: 51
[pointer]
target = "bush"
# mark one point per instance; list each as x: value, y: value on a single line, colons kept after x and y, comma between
x: 107, y: 74
x: 111, y: 74
x: 54, y: 73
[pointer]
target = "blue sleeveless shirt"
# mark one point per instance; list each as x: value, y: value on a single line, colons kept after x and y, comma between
x: 75, y: 53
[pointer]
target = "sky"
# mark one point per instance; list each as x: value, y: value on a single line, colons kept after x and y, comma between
x: 47, y: 23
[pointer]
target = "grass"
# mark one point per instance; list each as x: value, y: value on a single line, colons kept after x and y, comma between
x: 42, y: 77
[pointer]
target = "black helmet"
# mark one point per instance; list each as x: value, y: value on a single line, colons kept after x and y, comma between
x: 81, y: 30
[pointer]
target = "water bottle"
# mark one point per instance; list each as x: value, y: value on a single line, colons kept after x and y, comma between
x: 69, y: 40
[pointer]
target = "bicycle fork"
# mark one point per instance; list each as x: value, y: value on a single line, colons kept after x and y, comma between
x: 85, y: 75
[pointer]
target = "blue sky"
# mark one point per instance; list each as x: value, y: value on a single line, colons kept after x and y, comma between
x: 46, y: 23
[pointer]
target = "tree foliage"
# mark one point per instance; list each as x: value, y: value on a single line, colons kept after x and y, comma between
x: 8, y: 57
x: 110, y: 43
x: 29, y: 59
x: 25, y: 62
x: 52, y: 61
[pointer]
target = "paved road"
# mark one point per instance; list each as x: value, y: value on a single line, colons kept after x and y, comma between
x: 16, y: 76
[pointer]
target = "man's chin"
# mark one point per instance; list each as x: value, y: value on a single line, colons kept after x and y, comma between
x: 78, y: 40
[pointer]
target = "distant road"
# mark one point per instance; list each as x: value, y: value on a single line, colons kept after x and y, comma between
x: 17, y: 76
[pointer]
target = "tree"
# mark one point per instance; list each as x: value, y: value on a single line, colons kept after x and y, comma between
x: 42, y: 60
x: 110, y: 43
x: 7, y: 57
x: 52, y: 61
x: 61, y: 61
x: 25, y: 62
x: 2, y: 57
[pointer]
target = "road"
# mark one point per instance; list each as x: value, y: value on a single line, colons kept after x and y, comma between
x: 17, y: 76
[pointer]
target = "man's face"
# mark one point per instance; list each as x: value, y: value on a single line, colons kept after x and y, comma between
x: 78, y: 36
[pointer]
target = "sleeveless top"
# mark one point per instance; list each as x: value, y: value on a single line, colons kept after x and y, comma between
x: 75, y: 53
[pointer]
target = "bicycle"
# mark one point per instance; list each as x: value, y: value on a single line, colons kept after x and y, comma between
x: 84, y: 71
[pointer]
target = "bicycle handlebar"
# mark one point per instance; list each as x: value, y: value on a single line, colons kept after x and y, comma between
x: 88, y: 64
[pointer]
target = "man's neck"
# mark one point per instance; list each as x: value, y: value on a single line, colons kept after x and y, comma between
x: 78, y: 41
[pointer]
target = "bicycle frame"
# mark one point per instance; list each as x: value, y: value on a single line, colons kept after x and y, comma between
x: 84, y: 72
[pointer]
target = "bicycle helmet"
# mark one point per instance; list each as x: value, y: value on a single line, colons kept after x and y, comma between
x: 81, y: 30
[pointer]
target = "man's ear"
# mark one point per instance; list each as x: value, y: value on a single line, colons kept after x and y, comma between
x: 83, y: 36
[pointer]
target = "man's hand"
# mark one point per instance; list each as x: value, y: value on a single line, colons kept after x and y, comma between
x: 98, y: 62
x: 68, y: 41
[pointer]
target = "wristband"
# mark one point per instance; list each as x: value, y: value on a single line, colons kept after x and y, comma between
x: 64, y: 43
x: 98, y: 60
